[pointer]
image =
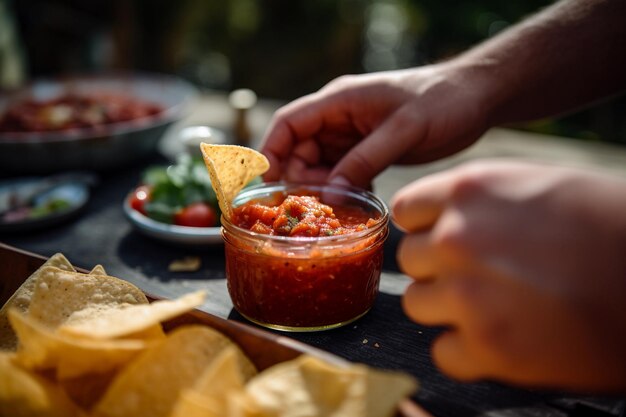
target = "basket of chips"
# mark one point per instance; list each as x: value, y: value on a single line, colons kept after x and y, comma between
x: 78, y: 343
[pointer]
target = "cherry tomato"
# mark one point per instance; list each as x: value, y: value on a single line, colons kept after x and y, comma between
x: 140, y: 197
x: 196, y: 215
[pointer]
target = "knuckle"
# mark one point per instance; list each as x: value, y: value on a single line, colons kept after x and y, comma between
x: 407, y: 118
x: 280, y: 115
x: 492, y: 339
x: 450, y: 235
x: 488, y: 330
x: 405, y: 115
x: 340, y: 82
x: 470, y: 182
x: 461, y: 294
x: 362, y: 164
x: 452, y: 359
x: 490, y: 336
x: 282, y: 111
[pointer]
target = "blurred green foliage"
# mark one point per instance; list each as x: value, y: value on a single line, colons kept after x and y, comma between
x: 286, y: 48
x: 279, y: 48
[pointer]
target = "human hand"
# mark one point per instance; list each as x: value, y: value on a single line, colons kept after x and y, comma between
x: 525, y: 263
x: 356, y: 126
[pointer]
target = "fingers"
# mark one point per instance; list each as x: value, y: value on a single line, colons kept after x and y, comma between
x: 329, y: 122
x: 382, y: 148
x: 298, y: 121
x: 308, y: 152
x: 424, y: 303
x: 416, y: 256
x: 297, y: 170
x: 452, y: 355
x: 429, y: 303
x: 303, y: 164
x: 276, y: 168
x: 418, y: 205
x: 277, y: 143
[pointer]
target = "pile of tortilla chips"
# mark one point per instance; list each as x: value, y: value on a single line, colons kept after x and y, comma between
x: 75, y: 344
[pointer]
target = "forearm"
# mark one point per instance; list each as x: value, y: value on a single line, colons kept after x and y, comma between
x: 563, y: 58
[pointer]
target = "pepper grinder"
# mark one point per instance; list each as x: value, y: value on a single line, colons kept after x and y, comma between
x: 241, y: 101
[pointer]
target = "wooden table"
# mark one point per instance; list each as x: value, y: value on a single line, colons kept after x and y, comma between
x: 384, y: 337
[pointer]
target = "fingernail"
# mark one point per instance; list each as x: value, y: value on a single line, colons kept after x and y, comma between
x: 339, y: 180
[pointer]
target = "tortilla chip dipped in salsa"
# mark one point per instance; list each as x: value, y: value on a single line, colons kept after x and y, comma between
x: 231, y: 167
x: 319, y: 266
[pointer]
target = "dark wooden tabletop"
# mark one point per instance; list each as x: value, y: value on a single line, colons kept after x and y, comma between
x: 384, y: 337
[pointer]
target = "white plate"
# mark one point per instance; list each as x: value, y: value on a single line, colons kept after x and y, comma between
x: 172, y: 233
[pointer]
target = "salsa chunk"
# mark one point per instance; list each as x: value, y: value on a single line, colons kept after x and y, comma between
x: 300, y: 216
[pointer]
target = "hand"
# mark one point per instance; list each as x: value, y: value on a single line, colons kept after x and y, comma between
x: 526, y: 265
x: 356, y: 126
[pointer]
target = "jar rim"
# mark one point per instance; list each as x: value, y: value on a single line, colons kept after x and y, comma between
x: 358, y: 193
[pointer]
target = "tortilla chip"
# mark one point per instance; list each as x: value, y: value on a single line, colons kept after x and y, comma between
x: 192, y: 404
x: 98, y: 270
x: 209, y: 396
x: 21, y: 300
x: 241, y: 405
x: 231, y: 167
x: 86, y: 390
x: 150, y: 334
x: 25, y: 394
x: 120, y: 321
x: 309, y: 383
x: 41, y: 349
x: 232, y: 368
x: 176, y: 364
x: 59, y: 294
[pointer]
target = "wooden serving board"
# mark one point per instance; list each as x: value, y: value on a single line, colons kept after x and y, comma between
x: 262, y: 347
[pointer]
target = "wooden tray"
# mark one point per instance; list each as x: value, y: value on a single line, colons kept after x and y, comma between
x: 262, y: 347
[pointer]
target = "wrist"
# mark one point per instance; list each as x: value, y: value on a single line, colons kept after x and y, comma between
x: 479, y: 78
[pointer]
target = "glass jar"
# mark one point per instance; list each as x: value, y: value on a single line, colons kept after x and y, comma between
x: 306, y: 283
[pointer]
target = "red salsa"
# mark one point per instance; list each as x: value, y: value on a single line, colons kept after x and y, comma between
x: 307, y: 281
x: 301, y: 216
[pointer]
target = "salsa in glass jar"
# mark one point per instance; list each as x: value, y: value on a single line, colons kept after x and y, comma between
x: 304, y: 258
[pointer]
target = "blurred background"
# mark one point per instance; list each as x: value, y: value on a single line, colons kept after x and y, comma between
x: 281, y: 49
